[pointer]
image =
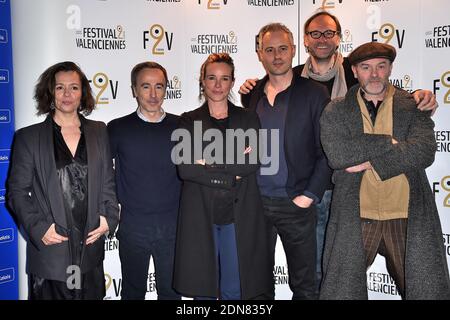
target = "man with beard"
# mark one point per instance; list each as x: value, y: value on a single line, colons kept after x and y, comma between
x: 379, y: 146
x: 325, y: 65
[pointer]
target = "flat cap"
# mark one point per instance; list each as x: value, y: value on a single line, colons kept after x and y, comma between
x: 372, y: 50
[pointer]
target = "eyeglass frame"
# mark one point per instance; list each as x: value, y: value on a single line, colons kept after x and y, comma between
x: 322, y: 34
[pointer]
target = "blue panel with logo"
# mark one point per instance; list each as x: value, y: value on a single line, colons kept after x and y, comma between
x: 9, y: 285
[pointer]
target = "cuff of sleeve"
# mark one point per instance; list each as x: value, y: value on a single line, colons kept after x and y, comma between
x: 110, y: 233
x: 311, y: 195
x: 38, y: 233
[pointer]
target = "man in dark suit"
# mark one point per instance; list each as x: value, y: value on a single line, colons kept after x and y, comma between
x: 291, y: 105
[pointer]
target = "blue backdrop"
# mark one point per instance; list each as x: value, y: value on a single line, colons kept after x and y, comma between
x: 9, y: 288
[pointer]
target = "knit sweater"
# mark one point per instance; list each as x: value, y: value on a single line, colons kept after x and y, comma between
x: 146, y: 178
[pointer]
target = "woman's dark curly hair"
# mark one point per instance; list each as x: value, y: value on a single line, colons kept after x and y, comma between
x: 44, y: 92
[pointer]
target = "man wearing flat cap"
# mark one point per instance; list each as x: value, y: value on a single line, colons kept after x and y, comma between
x: 322, y: 34
x: 379, y: 145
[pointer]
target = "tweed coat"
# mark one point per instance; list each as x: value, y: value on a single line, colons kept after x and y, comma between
x: 346, y: 145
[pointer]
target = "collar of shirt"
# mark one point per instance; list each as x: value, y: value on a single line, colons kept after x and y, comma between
x: 372, y: 108
x: 379, y: 102
x: 141, y: 115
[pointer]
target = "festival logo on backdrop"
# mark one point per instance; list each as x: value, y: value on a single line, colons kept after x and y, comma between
x: 346, y: 45
x: 104, y: 88
x: 271, y: 3
x: 446, y: 237
x: 442, y: 140
x: 443, y: 186
x: 166, y: 1
x: 173, y: 91
x: 280, y: 275
x: 381, y: 283
x: 404, y: 83
x: 111, y: 244
x: 214, y: 43
x: 157, y: 39
x: 443, y: 86
x: 151, y: 282
x: 113, y: 287
x: 213, y: 4
x: 439, y: 37
x: 101, y: 38
x: 389, y: 34
x: 327, y: 4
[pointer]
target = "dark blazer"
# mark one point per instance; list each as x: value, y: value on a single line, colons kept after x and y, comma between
x: 308, y: 169
x: 195, y: 270
x: 35, y: 197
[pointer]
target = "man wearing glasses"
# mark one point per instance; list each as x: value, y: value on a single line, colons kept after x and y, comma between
x: 326, y: 65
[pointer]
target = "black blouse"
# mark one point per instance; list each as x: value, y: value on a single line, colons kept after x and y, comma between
x: 72, y: 175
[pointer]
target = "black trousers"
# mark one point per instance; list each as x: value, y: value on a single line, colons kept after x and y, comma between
x: 92, y: 287
x: 91, y: 283
x: 136, y: 247
x: 297, y: 230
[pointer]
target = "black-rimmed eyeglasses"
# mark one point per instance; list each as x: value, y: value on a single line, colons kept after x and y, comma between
x: 328, y: 34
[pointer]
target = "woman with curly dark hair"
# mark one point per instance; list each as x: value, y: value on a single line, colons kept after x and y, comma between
x: 61, y: 189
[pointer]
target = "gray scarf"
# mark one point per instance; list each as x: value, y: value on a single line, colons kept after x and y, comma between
x: 337, y: 72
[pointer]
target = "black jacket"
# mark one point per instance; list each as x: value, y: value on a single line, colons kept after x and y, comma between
x: 308, y: 169
x: 36, y: 199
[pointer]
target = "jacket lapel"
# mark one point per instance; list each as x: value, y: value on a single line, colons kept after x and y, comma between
x: 353, y: 112
x: 233, y: 120
x: 259, y: 92
x: 205, y: 118
x: 94, y: 171
x: 49, y: 176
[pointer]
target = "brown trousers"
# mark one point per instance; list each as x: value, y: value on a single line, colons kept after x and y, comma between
x: 388, y: 238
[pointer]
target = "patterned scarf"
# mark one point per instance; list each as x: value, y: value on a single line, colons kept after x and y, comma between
x: 337, y: 72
